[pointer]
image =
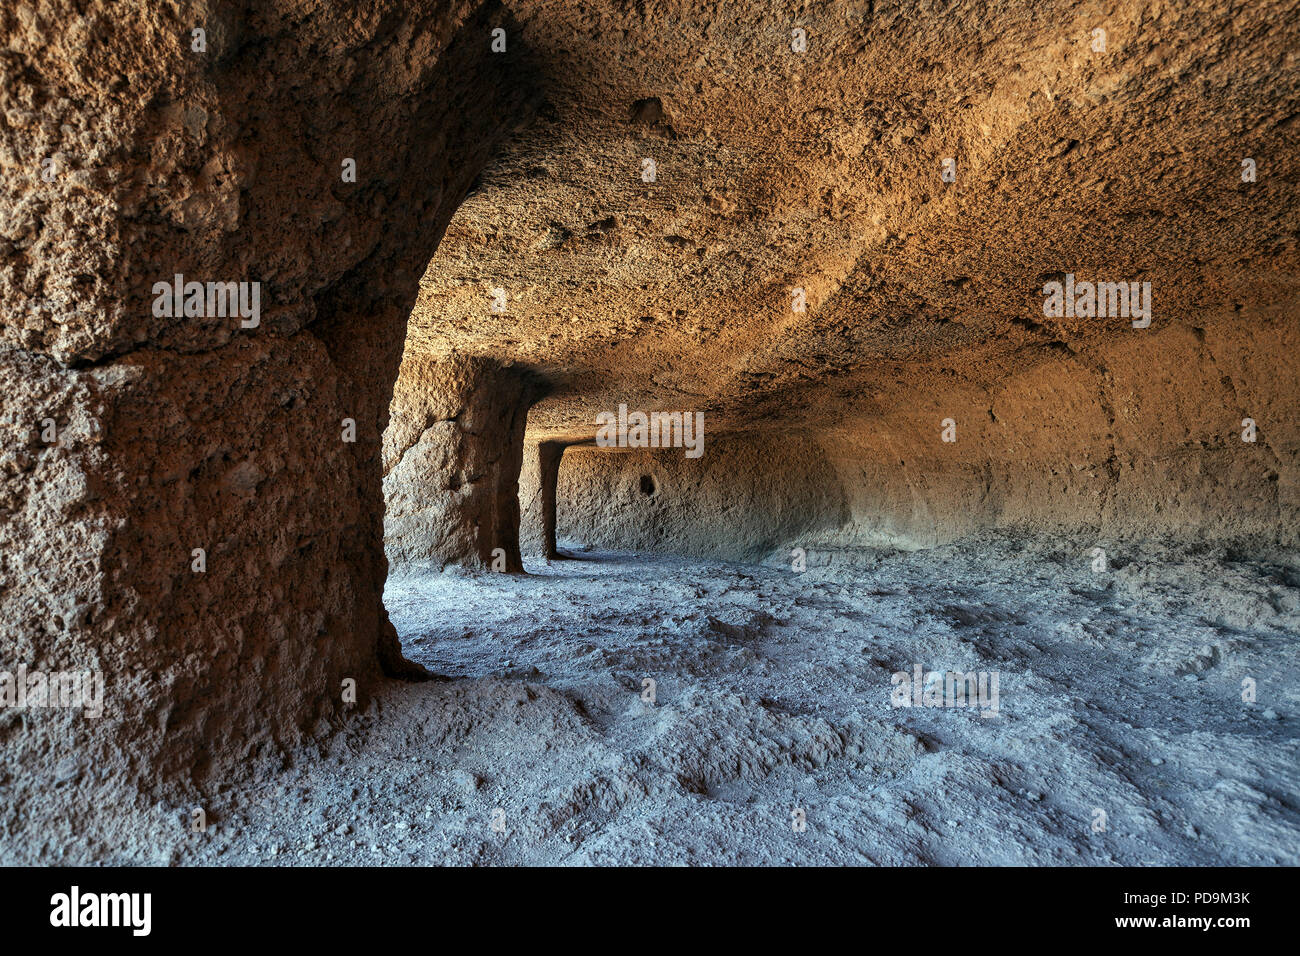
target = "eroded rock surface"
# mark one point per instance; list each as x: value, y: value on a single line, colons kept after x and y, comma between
x: 176, y: 433
x: 452, y: 456
x: 653, y: 188
x: 822, y: 171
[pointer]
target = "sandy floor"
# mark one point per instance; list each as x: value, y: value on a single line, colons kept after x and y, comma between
x: 1118, y: 692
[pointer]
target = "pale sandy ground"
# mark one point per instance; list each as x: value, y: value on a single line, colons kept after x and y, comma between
x: 1119, y: 691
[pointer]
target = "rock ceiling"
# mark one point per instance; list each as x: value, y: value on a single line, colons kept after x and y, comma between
x: 821, y: 170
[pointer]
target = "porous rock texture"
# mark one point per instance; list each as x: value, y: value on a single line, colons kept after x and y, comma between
x: 177, y: 434
x: 772, y: 490
x: 646, y: 185
x: 452, y: 457
x: 777, y: 170
x: 1131, y: 450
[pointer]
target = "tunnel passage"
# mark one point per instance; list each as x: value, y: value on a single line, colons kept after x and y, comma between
x: 728, y: 503
x: 729, y: 227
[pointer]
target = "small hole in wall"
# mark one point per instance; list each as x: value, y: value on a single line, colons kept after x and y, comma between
x: 648, y: 487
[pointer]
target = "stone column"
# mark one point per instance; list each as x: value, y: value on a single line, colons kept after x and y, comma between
x: 190, y: 499
x: 452, y: 456
x: 549, y: 454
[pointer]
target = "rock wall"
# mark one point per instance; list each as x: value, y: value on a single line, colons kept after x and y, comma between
x: 1141, y: 438
x: 219, y: 156
x: 744, y: 497
x: 1138, y: 439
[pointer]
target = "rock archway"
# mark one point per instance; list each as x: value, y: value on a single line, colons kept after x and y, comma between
x: 204, y: 522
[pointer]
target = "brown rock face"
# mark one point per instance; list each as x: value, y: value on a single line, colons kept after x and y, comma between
x: 852, y: 245
x: 772, y: 490
x: 452, y: 455
x: 830, y: 227
x: 204, y: 522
